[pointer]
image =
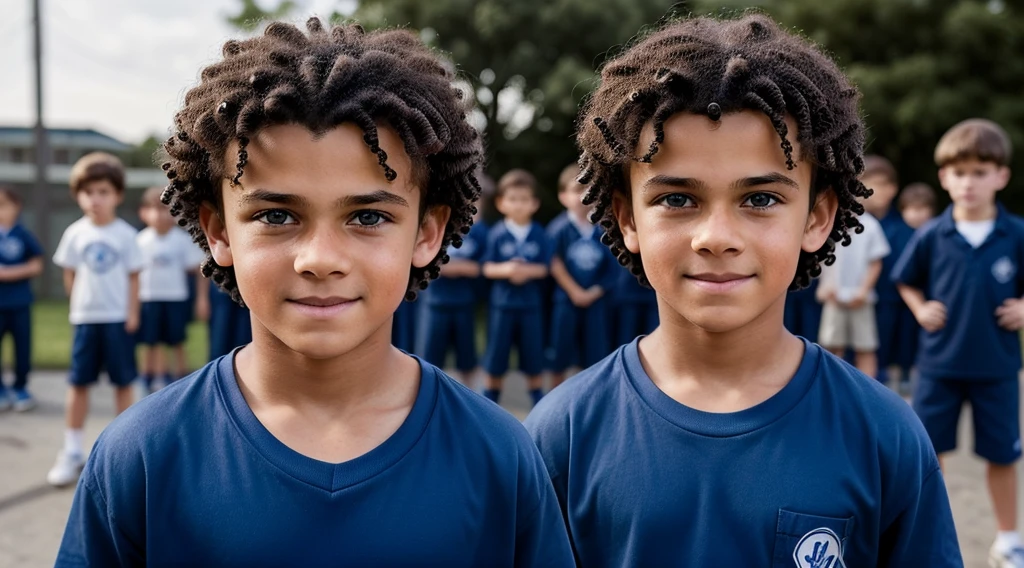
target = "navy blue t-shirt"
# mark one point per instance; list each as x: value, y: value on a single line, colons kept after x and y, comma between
x: 971, y: 283
x: 452, y: 292
x: 587, y: 260
x: 17, y: 246
x: 189, y: 477
x: 833, y: 458
x: 502, y: 247
x: 898, y: 233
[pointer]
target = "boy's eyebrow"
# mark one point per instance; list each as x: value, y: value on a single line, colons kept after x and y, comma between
x: 379, y: 196
x: 691, y: 183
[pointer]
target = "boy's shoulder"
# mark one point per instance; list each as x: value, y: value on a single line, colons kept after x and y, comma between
x: 469, y: 408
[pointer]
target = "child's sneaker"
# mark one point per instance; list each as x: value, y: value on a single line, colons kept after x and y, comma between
x: 5, y: 399
x: 66, y: 469
x: 1013, y: 558
x: 23, y: 401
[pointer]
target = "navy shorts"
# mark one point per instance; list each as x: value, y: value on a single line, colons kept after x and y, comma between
x: 995, y: 407
x: 579, y: 336
x: 99, y: 346
x: 897, y: 335
x: 523, y: 328
x: 445, y: 327
x: 163, y: 322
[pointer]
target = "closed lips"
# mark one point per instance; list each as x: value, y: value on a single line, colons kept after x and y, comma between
x: 321, y: 302
x: 726, y: 277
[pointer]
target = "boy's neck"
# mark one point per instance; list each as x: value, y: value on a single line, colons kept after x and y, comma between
x: 331, y: 410
x: 987, y: 212
x: 101, y: 221
x: 721, y: 372
x: 523, y: 224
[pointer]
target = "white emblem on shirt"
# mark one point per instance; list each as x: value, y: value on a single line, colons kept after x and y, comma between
x: 1003, y: 270
x: 819, y: 548
x: 11, y: 248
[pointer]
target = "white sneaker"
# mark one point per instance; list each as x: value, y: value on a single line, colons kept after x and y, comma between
x: 65, y: 470
x: 1013, y: 558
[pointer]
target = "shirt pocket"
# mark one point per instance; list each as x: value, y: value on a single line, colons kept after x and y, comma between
x: 811, y: 541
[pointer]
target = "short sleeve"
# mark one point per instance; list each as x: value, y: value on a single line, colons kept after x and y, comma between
x: 491, y: 248
x: 923, y: 533
x: 541, y: 538
x: 879, y: 247
x: 94, y: 534
x: 912, y: 267
x: 132, y: 255
x: 32, y: 246
x: 66, y: 256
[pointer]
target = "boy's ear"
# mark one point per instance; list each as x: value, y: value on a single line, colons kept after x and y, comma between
x: 216, y: 234
x: 820, y: 220
x: 622, y: 208
x: 1004, y: 177
x: 430, y: 235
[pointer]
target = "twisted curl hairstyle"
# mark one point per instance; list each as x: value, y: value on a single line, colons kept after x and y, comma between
x: 713, y: 67
x: 320, y: 79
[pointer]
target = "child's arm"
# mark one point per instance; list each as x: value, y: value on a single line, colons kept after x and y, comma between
x: 29, y: 269
x: 202, y: 297
x: 69, y: 280
x: 523, y: 272
x: 460, y: 268
x: 1010, y: 314
x: 132, y: 323
x: 931, y: 314
x: 579, y: 296
x: 499, y: 270
x: 870, y: 279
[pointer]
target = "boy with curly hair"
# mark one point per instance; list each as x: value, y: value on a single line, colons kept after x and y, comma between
x: 325, y: 173
x: 723, y: 158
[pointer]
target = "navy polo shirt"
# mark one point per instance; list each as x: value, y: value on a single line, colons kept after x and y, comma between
x: 17, y: 246
x: 588, y: 261
x: 898, y: 233
x: 971, y: 283
x: 461, y: 291
x: 502, y: 247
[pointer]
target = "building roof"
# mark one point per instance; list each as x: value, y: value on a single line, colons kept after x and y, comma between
x: 85, y: 138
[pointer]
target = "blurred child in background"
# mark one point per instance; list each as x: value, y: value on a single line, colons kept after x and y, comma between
x: 584, y: 271
x: 896, y: 326
x: 917, y: 204
x: 21, y: 259
x: 169, y: 259
x: 101, y: 262
x: 516, y: 260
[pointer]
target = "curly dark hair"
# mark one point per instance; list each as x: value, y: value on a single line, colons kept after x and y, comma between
x: 320, y: 79
x: 711, y: 67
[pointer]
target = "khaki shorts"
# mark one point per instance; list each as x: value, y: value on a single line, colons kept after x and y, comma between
x: 843, y: 327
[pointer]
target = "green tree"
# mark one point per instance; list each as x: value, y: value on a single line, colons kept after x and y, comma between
x: 144, y: 154
x: 250, y: 15
x: 921, y: 66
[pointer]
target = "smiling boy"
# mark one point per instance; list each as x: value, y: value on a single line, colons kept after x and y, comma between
x: 723, y: 159
x: 324, y: 172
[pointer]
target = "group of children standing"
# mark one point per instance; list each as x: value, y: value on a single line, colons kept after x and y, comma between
x: 723, y: 165
x: 854, y: 308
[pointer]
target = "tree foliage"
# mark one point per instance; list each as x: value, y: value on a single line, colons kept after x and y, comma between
x: 922, y: 65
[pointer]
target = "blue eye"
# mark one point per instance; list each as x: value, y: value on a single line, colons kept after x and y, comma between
x: 275, y: 217
x: 369, y: 218
x: 676, y: 200
x: 762, y: 200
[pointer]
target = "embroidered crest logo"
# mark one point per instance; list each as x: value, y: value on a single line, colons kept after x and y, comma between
x: 585, y: 254
x: 1003, y: 270
x: 819, y: 548
x: 100, y: 257
x: 11, y: 248
x: 508, y: 249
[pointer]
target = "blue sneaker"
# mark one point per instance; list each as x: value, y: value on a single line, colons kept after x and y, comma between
x: 5, y: 399
x: 23, y: 401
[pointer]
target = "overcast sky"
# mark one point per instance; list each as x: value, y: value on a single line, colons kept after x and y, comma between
x: 119, y: 66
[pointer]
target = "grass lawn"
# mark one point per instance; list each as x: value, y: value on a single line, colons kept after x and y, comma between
x: 51, y: 339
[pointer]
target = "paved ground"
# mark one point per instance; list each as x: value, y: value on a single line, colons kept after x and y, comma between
x: 32, y: 515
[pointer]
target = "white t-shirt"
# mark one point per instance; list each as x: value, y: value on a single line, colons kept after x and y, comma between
x: 975, y: 232
x: 102, y: 258
x: 166, y: 260
x: 851, y: 266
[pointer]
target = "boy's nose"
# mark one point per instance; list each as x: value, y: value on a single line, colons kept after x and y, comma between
x: 717, y: 233
x: 322, y: 253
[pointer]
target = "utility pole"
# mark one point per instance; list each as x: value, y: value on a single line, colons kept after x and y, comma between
x: 40, y: 195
